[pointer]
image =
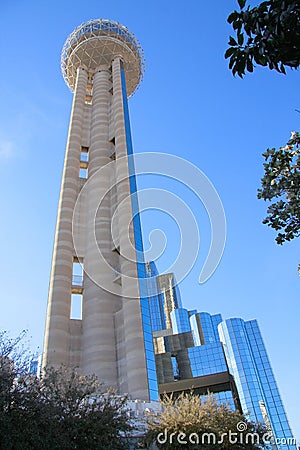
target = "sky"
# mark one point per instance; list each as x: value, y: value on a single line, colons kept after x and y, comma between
x: 188, y: 105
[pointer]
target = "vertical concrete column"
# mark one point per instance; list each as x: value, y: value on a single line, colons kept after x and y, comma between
x: 99, y: 147
x: 56, y: 341
x: 137, y: 381
x: 99, y: 345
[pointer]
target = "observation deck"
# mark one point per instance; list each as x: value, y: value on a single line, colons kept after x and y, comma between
x: 96, y: 43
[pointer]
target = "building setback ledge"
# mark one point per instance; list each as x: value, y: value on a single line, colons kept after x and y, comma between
x: 216, y: 382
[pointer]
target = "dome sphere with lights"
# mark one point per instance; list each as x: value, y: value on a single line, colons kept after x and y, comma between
x: 96, y: 43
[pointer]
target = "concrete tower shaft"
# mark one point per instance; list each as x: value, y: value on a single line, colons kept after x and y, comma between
x: 112, y: 338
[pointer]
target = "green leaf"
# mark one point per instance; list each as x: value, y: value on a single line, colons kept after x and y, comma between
x: 232, y: 41
x: 240, y: 37
x: 242, y: 3
x: 249, y: 65
x: 232, y: 16
x: 231, y: 62
x: 229, y: 52
x: 282, y: 69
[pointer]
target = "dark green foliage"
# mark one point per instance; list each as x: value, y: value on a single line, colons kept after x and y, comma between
x: 188, y: 414
x: 267, y: 35
x: 63, y: 410
x: 281, y: 181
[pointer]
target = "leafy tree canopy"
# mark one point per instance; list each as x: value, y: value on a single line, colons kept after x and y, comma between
x: 63, y: 410
x: 268, y: 35
x: 281, y: 182
x: 190, y: 423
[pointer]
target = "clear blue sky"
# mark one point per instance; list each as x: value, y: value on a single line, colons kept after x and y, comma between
x: 188, y: 105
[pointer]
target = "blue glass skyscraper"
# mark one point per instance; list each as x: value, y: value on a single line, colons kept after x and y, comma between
x: 249, y: 364
x: 227, y: 358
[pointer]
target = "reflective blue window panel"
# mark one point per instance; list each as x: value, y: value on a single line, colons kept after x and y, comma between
x: 180, y: 320
x: 224, y: 397
x: 195, y: 329
x: 175, y: 367
x: 177, y: 294
x: 207, y: 359
x: 209, y: 325
x: 156, y: 299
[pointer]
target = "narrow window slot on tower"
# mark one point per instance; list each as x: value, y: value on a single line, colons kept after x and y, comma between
x: 116, y: 265
x: 84, y: 162
x: 83, y: 173
x: 89, y: 91
x: 117, y: 276
x: 84, y: 155
x: 76, y: 307
x: 175, y: 367
x: 77, y: 274
x: 112, y: 153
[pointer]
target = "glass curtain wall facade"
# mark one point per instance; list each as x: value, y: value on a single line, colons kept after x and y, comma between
x: 203, y: 345
x: 156, y: 300
x: 189, y: 353
x: 180, y: 321
x: 164, y: 298
x: 249, y: 364
x: 207, y: 359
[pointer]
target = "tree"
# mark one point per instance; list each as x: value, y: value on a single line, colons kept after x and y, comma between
x: 87, y: 417
x: 281, y: 181
x: 268, y: 35
x: 63, y: 410
x: 188, y: 422
x: 17, y: 392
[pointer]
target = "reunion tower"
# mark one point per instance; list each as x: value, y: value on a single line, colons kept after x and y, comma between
x: 102, y: 63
